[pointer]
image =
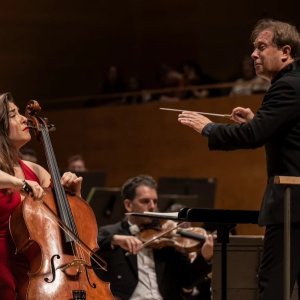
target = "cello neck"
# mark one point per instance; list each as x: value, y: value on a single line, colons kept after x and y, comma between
x: 62, y: 202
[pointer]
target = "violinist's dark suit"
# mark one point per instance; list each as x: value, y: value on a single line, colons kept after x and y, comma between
x: 173, y: 270
x: 277, y: 126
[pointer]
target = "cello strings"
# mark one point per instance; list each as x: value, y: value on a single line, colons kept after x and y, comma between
x: 56, y: 179
x: 76, y: 239
x: 67, y: 220
x: 61, y: 196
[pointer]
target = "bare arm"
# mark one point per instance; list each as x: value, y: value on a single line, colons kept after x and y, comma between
x: 8, y: 181
x: 14, y: 183
x: 69, y: 180
x: 42, y: 174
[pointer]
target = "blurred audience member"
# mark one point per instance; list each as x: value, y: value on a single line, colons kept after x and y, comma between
x: 169, y: 77
x: 113, y: 81
x: 76, y: 163
x: 194, y: 75
x: 249, y: 83
x: 189, y: 74
x: 28, y: 154
x: 134, y: 85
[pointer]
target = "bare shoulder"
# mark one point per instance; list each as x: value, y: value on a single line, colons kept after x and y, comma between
x: 41, y: 172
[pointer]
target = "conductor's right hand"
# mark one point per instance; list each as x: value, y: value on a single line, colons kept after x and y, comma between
x: 127, y: 242
x: 241, y: 115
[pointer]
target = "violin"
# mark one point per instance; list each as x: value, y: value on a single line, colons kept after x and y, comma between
x: 54, y: 235
x: 169, y: 234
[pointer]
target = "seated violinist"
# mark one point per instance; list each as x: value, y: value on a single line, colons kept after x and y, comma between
x: 141, y: 273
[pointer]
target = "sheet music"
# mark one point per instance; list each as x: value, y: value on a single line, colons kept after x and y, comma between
x: 171, y: 215
x: 220, y: 216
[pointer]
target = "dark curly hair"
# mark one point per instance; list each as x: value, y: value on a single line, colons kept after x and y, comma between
x: 129, y: 187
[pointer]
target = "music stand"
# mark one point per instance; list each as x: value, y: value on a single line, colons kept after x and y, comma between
x: 91, y: 179
x: 107, y: 204
x: 167, y: 200
x: 287, y: 182
x: 224, y: 220
x: 204, y: 188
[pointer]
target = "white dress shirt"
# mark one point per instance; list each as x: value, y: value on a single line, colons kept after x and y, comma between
x: 147, y: 287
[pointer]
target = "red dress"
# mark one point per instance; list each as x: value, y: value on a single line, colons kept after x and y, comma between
x: 12, y: 267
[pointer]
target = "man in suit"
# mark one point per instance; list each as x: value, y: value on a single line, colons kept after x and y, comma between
x: 276, y: 125
x: 137, y: 273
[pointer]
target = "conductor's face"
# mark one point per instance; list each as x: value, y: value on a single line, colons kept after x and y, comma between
x: 145, y: 200
x: 268, y: 58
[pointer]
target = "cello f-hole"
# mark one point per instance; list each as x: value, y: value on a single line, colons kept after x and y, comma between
x: 53, y: 269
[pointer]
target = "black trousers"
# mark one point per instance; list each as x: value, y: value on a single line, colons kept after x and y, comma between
x: 271, y: 268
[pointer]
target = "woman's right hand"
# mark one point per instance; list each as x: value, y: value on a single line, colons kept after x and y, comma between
x: 241, y: 115
x: 32, y: 188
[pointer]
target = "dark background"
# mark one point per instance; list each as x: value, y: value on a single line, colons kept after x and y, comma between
x: 53, y: 49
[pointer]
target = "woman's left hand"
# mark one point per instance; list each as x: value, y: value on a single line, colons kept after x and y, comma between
x: 72, y: 183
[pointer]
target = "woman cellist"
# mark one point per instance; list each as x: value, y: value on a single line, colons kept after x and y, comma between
x: 17, y: 179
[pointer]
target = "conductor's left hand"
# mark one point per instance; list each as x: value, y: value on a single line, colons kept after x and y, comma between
x: 193, y: 120
x: 72, y: 183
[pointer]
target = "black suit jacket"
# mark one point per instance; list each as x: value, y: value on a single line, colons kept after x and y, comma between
x: 173, y: 270
x: 277, y: 126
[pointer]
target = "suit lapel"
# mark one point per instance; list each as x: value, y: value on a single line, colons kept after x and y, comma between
x: 160, y: 265
x: 132, y: 259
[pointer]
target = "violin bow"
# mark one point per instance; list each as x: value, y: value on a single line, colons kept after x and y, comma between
x: 198, y: 112
x: 157, y: 237
x: 54, y: 218
x: 161, y: 235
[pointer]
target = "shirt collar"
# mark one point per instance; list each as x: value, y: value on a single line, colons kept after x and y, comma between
x: 133, y: 228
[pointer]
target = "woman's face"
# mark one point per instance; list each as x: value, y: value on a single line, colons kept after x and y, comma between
x: 18, y: 129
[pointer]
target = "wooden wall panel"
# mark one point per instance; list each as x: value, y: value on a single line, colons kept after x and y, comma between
x: 50, y: 51
x: 128, y: 140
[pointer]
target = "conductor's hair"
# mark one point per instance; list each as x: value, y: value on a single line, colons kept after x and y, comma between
x: 284, y: 34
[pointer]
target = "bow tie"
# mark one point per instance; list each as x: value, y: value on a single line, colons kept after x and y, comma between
x: 134, y: 229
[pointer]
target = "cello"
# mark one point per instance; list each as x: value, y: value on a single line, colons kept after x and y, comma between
x: 57, y: 235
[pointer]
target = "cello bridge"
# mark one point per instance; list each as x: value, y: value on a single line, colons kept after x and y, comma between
x: 75, y: 264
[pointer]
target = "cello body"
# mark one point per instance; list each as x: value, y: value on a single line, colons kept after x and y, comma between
x: 53, y: 272
x: 57, y: 235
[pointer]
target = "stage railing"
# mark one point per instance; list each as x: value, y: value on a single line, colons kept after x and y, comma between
x: 105, y: 99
